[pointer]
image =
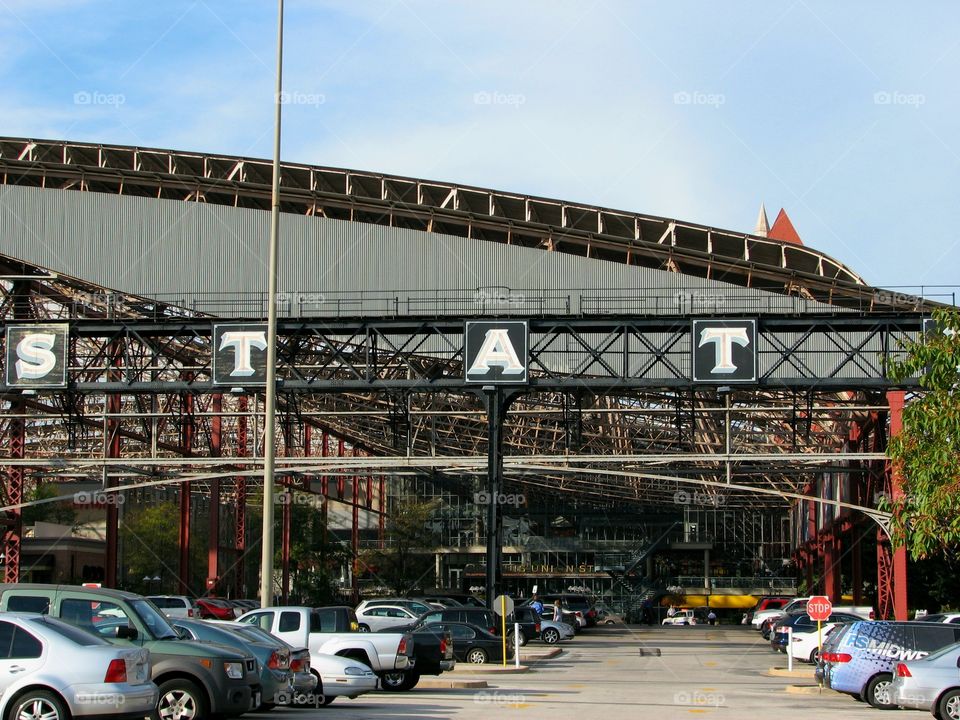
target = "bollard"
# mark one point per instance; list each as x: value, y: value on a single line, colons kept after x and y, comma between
x: 516, y: 644
x: 790, y: 649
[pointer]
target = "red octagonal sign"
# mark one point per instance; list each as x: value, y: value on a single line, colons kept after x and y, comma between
x: 819, y: 607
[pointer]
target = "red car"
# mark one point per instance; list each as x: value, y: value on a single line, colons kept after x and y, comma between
x: 215, y: 609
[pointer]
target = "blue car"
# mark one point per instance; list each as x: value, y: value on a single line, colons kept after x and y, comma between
x: 862, y: 661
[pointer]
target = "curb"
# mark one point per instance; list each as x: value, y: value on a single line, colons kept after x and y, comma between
x: 489, y: 668
x: 803, y: 689
x: 802, y: 673
x: 441, y: 684
x: 540, y: 654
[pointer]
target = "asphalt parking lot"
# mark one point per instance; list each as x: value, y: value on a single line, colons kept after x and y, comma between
x: 702, y: 671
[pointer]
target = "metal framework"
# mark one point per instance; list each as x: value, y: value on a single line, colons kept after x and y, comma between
x: 610, y: 376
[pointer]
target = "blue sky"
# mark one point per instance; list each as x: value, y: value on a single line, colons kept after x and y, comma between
x: 843, y: 113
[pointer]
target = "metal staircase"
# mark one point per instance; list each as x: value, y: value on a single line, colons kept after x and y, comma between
x: 630, y: 591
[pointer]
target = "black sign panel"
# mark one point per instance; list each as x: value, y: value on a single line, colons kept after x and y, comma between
x: 496, y: 352
x: 37, y: 355
x: 240, y: 355
x: 724, y: 351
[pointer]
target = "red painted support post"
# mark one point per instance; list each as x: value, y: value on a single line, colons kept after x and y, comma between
x: 283, y: 491
x: 114, y: 406
x: 895, y: 399
x: 216, y: 450
x: 355, y: 535
x: 240, y: 487
x: 16, y: 443
x: 186, y: 448
x: 831, y: 567
x: 383, y: 513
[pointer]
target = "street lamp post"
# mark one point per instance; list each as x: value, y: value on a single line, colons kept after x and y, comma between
x: 269, y: 441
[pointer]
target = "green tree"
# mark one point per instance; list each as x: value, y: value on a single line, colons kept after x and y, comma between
x: 61, y: 511
x: 315, y: 557
x: 926, y: 519
x: 150, y: 536
x: 406, y: 561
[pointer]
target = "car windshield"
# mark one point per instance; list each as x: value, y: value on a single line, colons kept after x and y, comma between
x: 155, y: 621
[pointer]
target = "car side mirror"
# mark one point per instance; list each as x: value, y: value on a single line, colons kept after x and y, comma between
x: 125, y: 632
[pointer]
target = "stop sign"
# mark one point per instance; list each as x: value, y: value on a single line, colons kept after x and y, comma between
x: 819, y: 607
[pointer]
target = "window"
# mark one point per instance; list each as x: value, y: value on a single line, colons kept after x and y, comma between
x: 76, y: 635
x: 433, y: 617
x: 289, y: 621
x: 323, y: 620
x: 263, y: 620
x: 462, y: 632
x: 6, y: 638
x: 28, y: 603
x: 396, y: 613
x: 24, y: 645
x: 377, y: 612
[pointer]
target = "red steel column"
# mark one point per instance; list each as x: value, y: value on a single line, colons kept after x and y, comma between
x: 355, y: 535
x: 831, y: 567
x: 240, y: 488
x: 216, y: 450
x: 381, y: 530
x: 16, y: 443
x: 112, y: 448
x: 283, y: 491
x: 186, y: 446
x: 895, y: 399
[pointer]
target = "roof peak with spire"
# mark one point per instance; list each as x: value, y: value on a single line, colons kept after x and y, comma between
x: 762, y: 227
x: 783, y: 230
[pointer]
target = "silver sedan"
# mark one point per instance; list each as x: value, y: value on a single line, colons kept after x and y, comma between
x: 932, y: 683
x: 68, y: 672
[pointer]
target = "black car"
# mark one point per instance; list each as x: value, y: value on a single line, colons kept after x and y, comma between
x: 529, y: 621
x: 481, y: 617
x: 473, y: 644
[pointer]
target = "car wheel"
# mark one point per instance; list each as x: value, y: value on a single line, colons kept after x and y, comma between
x: 523, y: 639
x: 181, y: 700
x: 550, y: 636
x: 477, y: 656
x: 399, y: 681
x: 364, y: 628
x: 39, y: 704
x: 815, y: 656
x: 948, y: 707
x: 878, y: 692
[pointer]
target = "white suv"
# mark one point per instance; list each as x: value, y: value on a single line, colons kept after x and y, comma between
x: 175, y: 606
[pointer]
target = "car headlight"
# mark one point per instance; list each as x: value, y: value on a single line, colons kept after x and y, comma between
x: 354, y: 670
x: 234, y: 670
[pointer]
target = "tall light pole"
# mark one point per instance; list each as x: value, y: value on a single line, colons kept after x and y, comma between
x: 269, y: 441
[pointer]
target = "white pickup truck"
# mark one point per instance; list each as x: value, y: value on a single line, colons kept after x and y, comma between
x: 334, y: 631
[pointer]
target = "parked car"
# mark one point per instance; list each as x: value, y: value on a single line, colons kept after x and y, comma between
x: 684, y: 617
x: 175, y: 606
x: 568, y: 617
x: 215, y: 609
x: 801, y: 623
x: 472, y: 644
x: 273, y: 660
x: 552, y: 632
x: 200, y: 679
x: 481, y: 617
x: 863, y: 661
x: 577, y: 603
x: 437, y: 601
x: 55, y: 672
x: 433, y: 655
x: 375, y: 618
x: 806, y: 645
x: 765, y: 602
x: 303, y: 679
x: 952, y: 618
x: 606, y: 615
x: 932, y: 683
x: 334, y: 631
x: 416, y: 606
x: 530, y: 622
x: 465, y: 599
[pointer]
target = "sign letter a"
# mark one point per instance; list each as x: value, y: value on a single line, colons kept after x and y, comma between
x: 497, y: 351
